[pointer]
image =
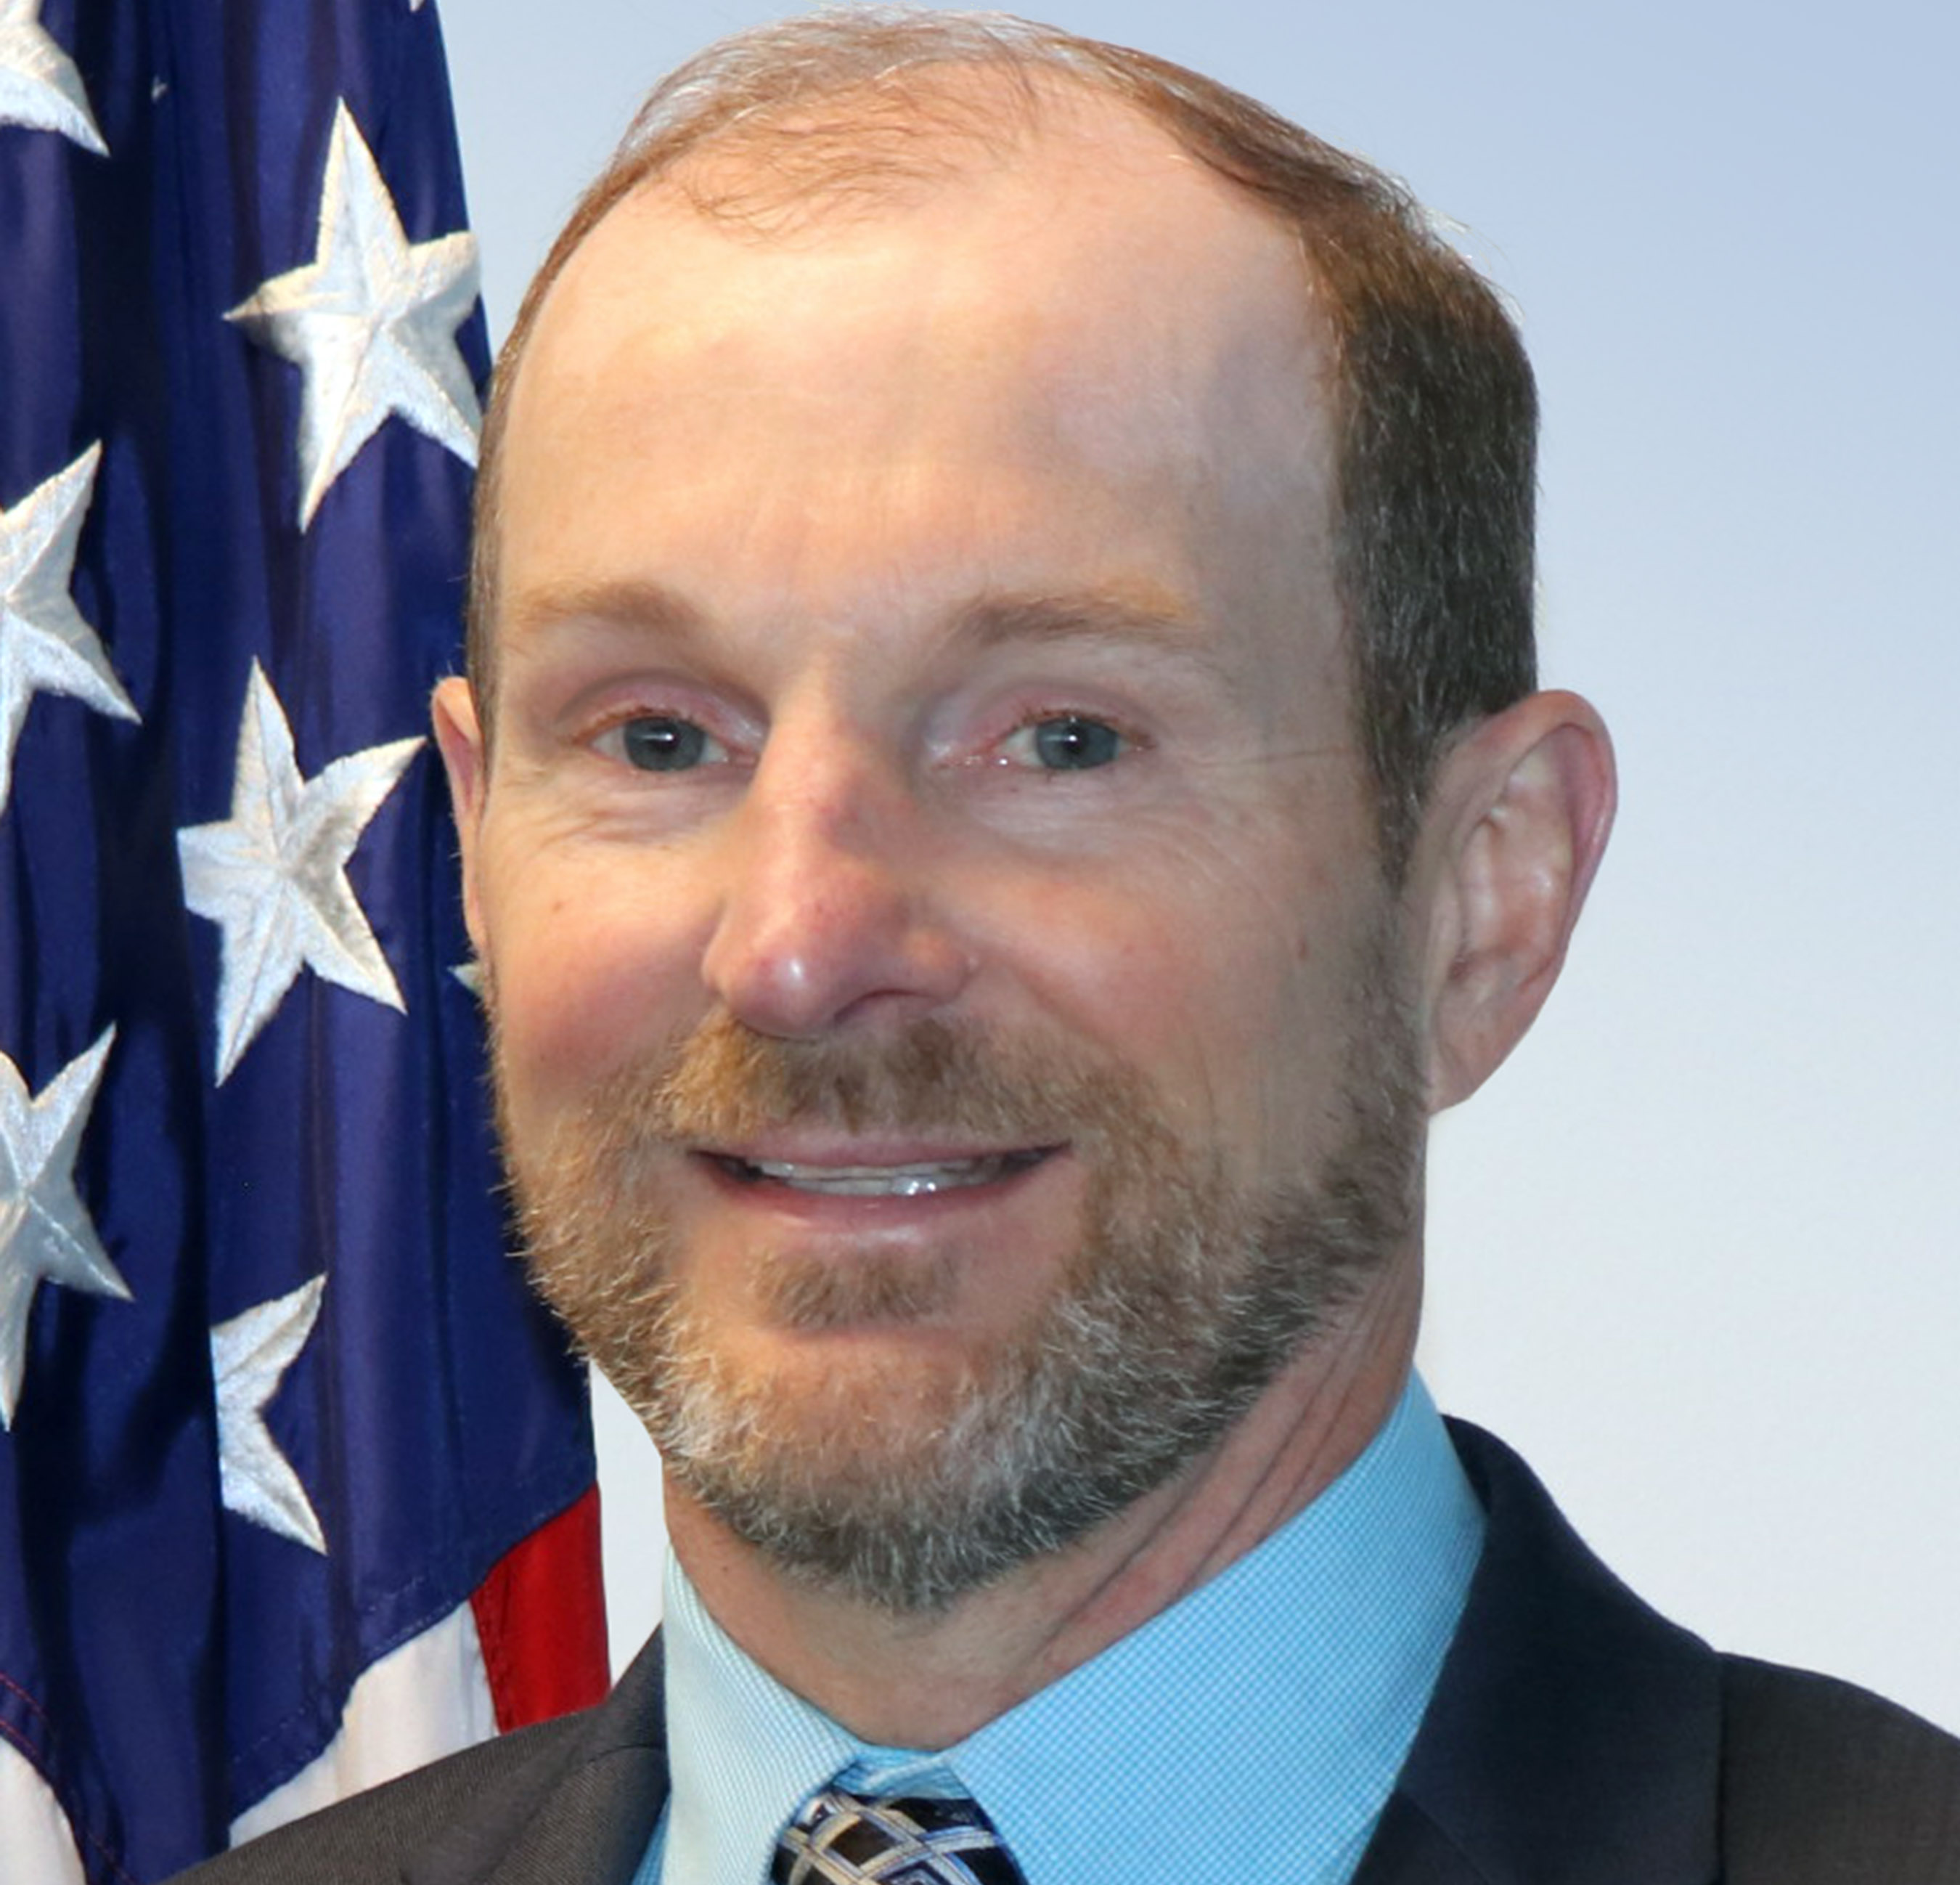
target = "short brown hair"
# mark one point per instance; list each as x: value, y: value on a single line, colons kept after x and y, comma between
x: 1436, y: 414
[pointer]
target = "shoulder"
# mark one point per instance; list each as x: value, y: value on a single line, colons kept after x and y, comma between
x: 1572, y: 1718
x: 370, y: 1836
x: 575, y: 1798
x: 1825, y: 1782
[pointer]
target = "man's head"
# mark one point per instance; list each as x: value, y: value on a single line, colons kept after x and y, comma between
x: 960, y: 1037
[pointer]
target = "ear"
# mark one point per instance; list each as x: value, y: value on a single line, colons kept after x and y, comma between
x: 1517, y: 821
x: 460, y: 736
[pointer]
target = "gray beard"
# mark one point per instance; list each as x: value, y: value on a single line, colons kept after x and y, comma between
x: 1184, y: 1298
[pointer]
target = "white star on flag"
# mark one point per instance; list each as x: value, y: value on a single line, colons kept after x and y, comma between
x: 39, y: 85
x: 45, y: 645
x: 370, y: 322
x: 250, y: 1356
x: 272, y: 875
x: 46, y: 1234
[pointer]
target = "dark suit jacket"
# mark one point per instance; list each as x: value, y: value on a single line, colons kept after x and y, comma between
x: 1575, y: 1738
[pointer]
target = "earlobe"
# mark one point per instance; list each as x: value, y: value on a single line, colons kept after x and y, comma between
x: 1518, y: 820
x: 459, y: 737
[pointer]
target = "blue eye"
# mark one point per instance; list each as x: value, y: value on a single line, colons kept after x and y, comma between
x: 1067, y: 743
x: 660, y: 742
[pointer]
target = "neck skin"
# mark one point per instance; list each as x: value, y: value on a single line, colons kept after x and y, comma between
x: 928, y: 1681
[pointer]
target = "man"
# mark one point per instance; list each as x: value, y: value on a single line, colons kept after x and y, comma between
x: 1000, y: 783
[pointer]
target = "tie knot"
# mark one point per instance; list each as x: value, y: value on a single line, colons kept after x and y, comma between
x: 842, y: 1839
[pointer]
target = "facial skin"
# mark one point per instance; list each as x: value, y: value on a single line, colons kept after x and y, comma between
x: 1181, y: 1297
x: 918, y: 627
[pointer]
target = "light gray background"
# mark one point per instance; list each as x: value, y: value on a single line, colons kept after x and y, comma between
x: 1697, y: 1249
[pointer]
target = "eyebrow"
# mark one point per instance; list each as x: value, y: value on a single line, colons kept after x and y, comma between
x: 1152, y: 619
x: 627, y: 604
x: 1094, y: 614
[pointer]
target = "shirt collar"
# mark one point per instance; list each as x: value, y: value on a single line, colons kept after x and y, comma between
x: 744, y: 1752
x: 1300, y: 1673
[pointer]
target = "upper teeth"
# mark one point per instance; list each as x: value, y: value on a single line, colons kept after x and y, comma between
x: 888, y: 1181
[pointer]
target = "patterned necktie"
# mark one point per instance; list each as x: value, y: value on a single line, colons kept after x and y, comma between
x: 841, y: 1838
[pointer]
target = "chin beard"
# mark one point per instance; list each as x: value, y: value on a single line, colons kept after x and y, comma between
x: 907, y: 1488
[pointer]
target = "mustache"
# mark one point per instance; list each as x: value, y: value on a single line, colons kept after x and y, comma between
x: 723, y: 1082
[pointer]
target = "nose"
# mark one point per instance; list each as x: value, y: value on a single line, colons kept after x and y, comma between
x: 827, y: 917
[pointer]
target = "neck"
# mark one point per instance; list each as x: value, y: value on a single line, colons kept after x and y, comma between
x: 926, y: 1681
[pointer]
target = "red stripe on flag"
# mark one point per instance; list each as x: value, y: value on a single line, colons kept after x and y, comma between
x: 541, y: 1617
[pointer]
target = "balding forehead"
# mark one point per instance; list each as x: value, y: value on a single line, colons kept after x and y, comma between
x: 1011, y: 250
x: 948, y: 145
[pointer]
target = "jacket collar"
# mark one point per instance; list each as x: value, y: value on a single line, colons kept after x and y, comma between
x: 1574, y: 1732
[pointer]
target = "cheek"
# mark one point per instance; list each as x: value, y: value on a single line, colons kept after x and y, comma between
x: 585, y: 979
x: 1294, y: 951
x: 1220, y: 982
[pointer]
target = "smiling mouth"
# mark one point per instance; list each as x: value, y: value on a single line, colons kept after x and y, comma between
x: 925, y: 1179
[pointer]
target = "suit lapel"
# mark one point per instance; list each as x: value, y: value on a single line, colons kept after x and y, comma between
x: 1409, y: 1849
x: 1574, y: 1733
x: 582, y: 1813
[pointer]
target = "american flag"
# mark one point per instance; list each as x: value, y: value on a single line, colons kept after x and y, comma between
x: 295, y: 1480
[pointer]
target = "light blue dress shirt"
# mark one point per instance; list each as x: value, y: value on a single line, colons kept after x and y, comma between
x: 1254, y: 1730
